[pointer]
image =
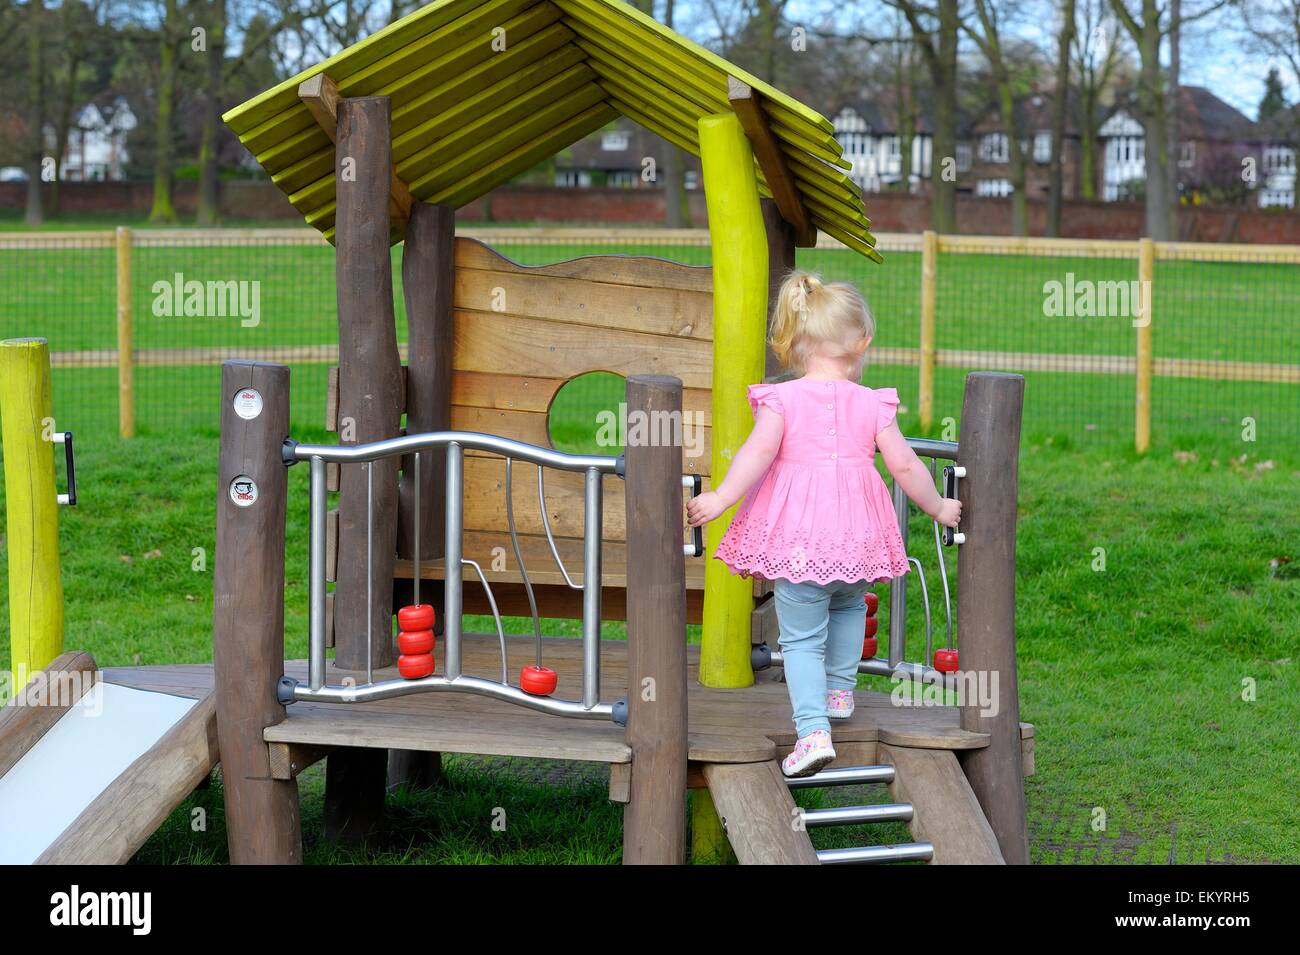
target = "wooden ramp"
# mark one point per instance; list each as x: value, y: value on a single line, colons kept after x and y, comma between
x: 88, y: 770
x: 736, y: 739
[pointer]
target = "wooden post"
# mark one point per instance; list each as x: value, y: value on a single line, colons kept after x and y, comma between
x: 925, y: 377
x: 262, y: 820
x: 740, y: 283
x: 369, y: 403
x: 654, y: 818
x: 986, y: 602
x: 125, y: 337
x: 780, y: 262
x: 1146, y: 286
x: 428, y: 280
x: 31, y: 507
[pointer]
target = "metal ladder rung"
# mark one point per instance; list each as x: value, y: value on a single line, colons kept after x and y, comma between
x: 868, y: 855
x: 855, y: 815
x: 843, y: 776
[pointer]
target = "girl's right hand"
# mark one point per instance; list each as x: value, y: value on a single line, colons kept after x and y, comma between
x: 949, y: 512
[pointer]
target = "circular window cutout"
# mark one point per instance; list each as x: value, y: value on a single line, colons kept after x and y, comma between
x: 587, y: 414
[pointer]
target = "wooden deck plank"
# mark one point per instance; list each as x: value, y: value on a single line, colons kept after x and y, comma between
x: 752, y: 724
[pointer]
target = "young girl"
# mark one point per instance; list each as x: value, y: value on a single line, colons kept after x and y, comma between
x: 821, y: 522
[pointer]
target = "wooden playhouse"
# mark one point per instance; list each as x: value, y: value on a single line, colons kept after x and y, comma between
x: 381, y: 144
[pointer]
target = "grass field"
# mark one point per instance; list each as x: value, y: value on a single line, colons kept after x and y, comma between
x: 1133, y: 675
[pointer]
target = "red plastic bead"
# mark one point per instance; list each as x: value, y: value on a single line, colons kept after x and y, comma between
x: 415, y: 666
x: 869, y: 647
x: 418, y: 617
x: 945, y: 661
x: 872, y: 602
x: 538, y: 681
x: 421, y: 641
x: 873, y: 624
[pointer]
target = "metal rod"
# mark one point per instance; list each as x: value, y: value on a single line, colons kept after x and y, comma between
x: 843, y: 776
x: 912, y: 851
x: 492, y: 602
x: 546, y: 525
x: 592, y: 521
x: 917, y: 672
x: 930, y: 448
x: 925, y: 599
x: 416, y: 536
x: 898, y: 588
x: 452, y: 596
x: 370, y: 574
x: 316, y: 585
x: 519, y: 558
x: 474, y: 440
x: 943, y: 576
x: 856, y: 815
x: 388, y: 689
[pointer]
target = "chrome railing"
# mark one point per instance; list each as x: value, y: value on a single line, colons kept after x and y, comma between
x: 593, y: 467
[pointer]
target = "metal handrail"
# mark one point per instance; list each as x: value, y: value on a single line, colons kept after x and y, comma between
x: 593, y: 467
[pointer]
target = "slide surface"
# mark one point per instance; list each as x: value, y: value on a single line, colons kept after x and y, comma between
x: 80, y: 756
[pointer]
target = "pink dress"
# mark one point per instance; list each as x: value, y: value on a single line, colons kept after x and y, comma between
x: 821, y: 512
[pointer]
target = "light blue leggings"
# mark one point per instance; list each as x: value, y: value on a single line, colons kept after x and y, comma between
x: 821, y: 644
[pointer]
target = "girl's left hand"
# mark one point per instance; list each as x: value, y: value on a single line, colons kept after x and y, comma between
x: 704, y: 508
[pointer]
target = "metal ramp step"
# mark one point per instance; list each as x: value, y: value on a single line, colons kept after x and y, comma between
x: 858, y: 815
x: 866, y: 855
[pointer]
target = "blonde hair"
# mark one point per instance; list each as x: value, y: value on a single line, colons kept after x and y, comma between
x: 810, y: 313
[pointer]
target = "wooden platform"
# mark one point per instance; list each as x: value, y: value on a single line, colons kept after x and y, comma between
x: 726, y: 726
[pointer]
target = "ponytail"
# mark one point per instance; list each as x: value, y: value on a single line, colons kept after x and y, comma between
x: 809, y: 311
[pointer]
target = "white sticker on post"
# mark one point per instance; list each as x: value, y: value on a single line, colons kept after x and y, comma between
x: 248, y: 403
x: 243, y: 491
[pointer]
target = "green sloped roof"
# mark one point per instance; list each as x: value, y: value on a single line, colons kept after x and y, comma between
x: 467, y: 117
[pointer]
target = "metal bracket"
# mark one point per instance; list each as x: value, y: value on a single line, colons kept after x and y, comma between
x: 619, y: 708
x: 696, y: 547
x: 284, y: 688
x: 951, y: 473
x: 65, y: 438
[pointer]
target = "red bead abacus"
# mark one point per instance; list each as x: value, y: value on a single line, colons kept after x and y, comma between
x: 869, y: 644
x: 415, y: 641
x: 538, y: 680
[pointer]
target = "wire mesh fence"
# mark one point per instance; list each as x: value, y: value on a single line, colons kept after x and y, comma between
x: 1065, y: 313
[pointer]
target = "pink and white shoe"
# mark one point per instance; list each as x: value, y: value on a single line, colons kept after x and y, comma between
x: 810, y: 754
x: 839, y: 704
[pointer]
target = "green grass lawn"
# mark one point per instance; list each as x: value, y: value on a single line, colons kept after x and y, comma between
x: 1133, y: 676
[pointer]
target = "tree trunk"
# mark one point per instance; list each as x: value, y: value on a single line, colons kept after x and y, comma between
x: 672, y: 177
x: 1055, y: 172
x: 1087, y: 145
x: 209, y: 170
x: 1171, y: 117
x: 163, y: 210
x: 943, y: 204
x: 36, y: 113
x: 1152, y: 103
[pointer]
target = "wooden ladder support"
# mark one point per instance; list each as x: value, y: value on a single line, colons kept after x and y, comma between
x: 945, y: 810
x: 758, y: 813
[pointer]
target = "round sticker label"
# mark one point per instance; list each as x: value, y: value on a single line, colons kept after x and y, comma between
x: 248, y: 403
x: 243, y: 491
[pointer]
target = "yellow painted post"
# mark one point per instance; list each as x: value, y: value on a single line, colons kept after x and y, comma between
x: 739, y: 243
x: 125, y: 337
x: 1146, y: 286
x: 929, y: 269
x: 31, y: 507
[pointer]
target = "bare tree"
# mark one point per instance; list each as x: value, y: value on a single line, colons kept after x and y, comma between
x: 35, y: 214
x: 163, y: 173
x: 1275, y: 27
x: 1148, y: 23
x: 988, y: 36
x: 1097, y: 52
x: 935, y: 28
x: 1061, y: 95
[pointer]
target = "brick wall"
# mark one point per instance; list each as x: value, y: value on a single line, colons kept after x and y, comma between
x: 889, y: 212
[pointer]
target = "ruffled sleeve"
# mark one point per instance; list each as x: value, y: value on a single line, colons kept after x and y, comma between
x: 765, y: 395
x: 887, y: 410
